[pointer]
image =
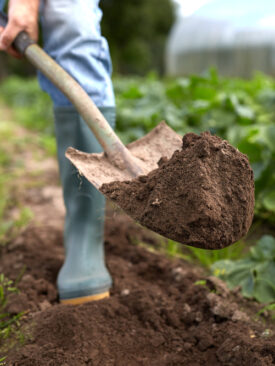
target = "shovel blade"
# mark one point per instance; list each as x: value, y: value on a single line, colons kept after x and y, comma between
x: 159, y: 143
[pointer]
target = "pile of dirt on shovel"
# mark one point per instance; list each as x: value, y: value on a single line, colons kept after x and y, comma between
x: 202, y: 196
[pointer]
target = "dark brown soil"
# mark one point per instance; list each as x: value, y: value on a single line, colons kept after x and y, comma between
x: 203, y: 196
x: 157, y: 314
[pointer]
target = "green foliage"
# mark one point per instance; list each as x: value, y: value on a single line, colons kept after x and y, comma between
x: 201, y: 256
x: 208, y: 257
x: 9, y: 324
x: 270, y: 308
x: 136, y: 31
x: 31, y: 107
x: 200, y: 283
x: 255, y: 273
x: 7, y: 320
x: 10, y: 170
x: 6, y: 287
x: 171, y: 248
x: 10, y: 228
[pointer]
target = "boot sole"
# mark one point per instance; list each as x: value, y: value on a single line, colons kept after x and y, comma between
x: 84, y: 299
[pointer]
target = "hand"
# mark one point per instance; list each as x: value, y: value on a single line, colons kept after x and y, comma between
x: 23, y: 16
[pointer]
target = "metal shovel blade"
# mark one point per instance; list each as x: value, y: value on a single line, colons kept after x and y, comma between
x: 160, y: 142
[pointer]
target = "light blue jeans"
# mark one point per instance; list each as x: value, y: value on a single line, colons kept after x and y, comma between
x: 72, y: 37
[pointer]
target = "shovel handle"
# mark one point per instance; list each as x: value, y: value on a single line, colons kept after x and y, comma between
x: 22, y: 41
x: 117, y: 153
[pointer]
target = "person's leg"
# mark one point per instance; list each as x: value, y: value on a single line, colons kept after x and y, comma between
x: 2, y: 4
x: 83, y: 273
x: 71, y: 35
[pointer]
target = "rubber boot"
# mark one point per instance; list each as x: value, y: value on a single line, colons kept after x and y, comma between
x: 83, y: 276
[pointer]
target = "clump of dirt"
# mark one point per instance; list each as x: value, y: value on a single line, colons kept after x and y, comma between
x: 202, y: 196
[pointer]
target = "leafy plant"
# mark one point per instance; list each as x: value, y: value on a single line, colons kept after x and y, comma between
x: 254, y: 274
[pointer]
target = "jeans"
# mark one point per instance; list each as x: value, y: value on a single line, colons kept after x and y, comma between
x: 72, y: 37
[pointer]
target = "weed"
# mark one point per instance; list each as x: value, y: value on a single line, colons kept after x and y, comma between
x: 10, y: 334
x: 254, y: 273
x: 10, y: 229
x: 11, y: 169
x: 270, y: 308
x: 7, y: 287
x: 200, y: 283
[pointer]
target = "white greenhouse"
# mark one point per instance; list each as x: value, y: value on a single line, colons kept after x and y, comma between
x: 235, y: 36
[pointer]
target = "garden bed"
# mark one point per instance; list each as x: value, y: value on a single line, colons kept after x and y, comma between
x: 162, y: 311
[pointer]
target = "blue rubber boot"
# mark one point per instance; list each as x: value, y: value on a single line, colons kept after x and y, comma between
x: 83, y: 276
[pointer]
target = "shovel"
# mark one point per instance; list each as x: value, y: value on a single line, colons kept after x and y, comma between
x: 117, y: 163
x: 140, y: 159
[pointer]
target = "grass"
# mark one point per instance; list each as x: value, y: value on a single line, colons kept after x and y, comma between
x: 11, y: 169
x: 9, y: 324
x: 31, y: 109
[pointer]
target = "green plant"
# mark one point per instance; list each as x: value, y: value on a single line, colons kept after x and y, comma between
x: 10, y: 172
x: 208, y: 257
x: 31, y: 107
x: 254, y: 274
x: 10, y: 228
x: 9, y: 324
x: 204, y: 257
x: 200, y: 283
x: 270, y: 308
x: 7, y: 287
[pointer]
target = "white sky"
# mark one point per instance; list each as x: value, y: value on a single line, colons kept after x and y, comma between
x: 187, y: 7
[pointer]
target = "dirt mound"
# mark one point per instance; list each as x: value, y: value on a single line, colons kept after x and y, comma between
x: 203, y: 196
x: 157, y: 314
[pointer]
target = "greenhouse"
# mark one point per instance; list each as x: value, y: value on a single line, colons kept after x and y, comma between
x: 235, y: 36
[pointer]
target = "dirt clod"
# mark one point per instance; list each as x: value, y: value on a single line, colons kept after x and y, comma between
x: 203, y: 196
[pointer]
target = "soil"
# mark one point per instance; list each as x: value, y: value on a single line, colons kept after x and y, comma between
x: 158, y: 313
x: 202, y: 196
